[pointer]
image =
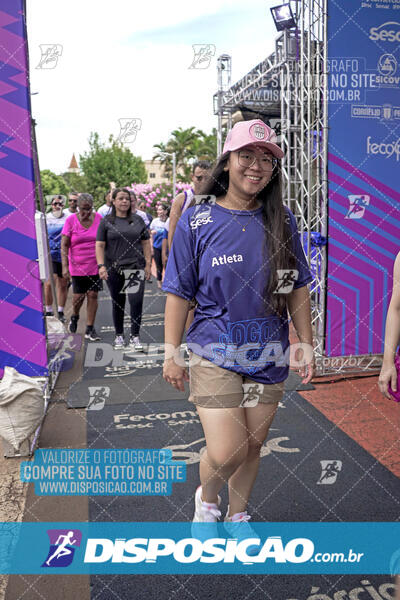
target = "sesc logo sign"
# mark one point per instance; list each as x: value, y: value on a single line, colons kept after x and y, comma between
x: 387, y: 32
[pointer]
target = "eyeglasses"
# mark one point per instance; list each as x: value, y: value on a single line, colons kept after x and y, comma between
x: 58, y: 204
x: 247, y: 158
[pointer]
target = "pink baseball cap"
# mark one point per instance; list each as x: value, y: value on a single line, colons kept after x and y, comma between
x: 251, y: 132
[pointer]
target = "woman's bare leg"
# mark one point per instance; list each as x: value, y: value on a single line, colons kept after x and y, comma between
x: 77, y: 301
x: 91, y: 309
x: 226, y: 438
x: 258, y: 421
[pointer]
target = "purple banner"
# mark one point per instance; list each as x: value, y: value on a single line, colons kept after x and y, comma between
x: 363, y: 172
x: 22, y: 332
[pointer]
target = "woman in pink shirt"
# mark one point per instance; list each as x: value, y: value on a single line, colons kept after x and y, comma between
x: 78, y: 254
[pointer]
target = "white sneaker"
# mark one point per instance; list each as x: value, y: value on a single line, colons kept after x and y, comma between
x: 205, y: 512
x: 135, y: 344
x: 206, y: 515
x: 238, y: 528
x: 119, y: 342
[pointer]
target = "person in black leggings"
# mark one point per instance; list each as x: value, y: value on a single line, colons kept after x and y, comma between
x: 124, y: 260
x: 157, y: 227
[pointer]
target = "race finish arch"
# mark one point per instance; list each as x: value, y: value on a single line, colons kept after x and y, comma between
x: 363, y: 172
x: 22, y: 327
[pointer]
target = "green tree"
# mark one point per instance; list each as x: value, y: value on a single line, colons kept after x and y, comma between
x: 206, y: 145
x: 189, y: 145
x: 52, y: 184
x: 182, y: 142
x: 75, y: 182
x: 113, y: 162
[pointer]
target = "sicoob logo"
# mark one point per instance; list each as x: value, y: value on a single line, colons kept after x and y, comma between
x: 62, y: 547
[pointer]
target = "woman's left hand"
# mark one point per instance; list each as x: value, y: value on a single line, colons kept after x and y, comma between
x: 305, y: 361
x: 147, y: 272
x: 308, y: 371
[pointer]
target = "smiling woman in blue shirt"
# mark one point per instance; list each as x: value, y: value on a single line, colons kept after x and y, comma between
x: 240, y: 257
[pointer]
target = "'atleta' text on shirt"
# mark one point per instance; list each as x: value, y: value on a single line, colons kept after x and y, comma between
x: 223, y: 260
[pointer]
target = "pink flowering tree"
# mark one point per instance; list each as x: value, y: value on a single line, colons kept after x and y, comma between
x: 152, y: 194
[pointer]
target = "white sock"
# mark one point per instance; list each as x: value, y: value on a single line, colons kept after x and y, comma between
x: 60, y: 309
x: 49, y: 308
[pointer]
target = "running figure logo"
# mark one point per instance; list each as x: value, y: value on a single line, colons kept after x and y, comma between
x: 203, y: 54
x: 357, y: 205
x: 65, y: 351
x: 62, y: 547
x: 287, y: 279
x: 97, y: 397
x: 330, y: 471
x: 50, y: 55
x: 252, y: 392
x: 128, y: 130
x: 133, y: 279
x: 200, y: 199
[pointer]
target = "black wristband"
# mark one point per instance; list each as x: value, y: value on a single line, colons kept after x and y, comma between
x: 99, y: 266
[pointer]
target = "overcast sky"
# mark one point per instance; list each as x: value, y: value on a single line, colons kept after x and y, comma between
x: 123, y: 59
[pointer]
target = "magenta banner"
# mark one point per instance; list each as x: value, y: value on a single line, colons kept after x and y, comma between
x: 364, y: 166
x: 22, y: 333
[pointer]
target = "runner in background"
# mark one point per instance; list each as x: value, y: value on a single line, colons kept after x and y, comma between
x: 164, y: 248
x: 135, y: 209
x: 389, y: 376
x: 55, y: 220
x: 72, y: 204
x: 105, y: 209
x: 124, y: 261
x: 158, y: 227
x: 78, y: 253
x: 230, y: 255
x: 142, y: 206
x: 200, y: 174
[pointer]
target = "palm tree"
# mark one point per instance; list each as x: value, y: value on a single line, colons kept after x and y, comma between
x: 163, y: 156
x: 183, y: 143
x: 206, y: 145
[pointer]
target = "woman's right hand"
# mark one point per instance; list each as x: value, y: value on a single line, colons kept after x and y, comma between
x: 103, y: 274
x: 387, y: 375
x: 175, y: 375
x: 66, y: 274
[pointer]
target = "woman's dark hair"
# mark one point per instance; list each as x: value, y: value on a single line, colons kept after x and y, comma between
x: 166, y: 207
x: 113, y: 214
x: 278, y: 234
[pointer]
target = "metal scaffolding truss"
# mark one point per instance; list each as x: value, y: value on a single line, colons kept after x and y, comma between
x: 289, y: 89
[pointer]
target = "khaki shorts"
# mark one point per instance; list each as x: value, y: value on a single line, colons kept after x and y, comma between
x: 212, y: 386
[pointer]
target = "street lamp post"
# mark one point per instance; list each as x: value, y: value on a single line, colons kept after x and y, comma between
x: 173, y: 154
x: 174, y: 174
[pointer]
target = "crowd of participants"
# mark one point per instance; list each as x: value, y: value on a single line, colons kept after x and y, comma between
x: 116, y: 244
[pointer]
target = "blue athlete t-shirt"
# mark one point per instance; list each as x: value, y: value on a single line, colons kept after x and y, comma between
x: 159, y: 227
x: 54, y: 229
x: 217, y: 258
